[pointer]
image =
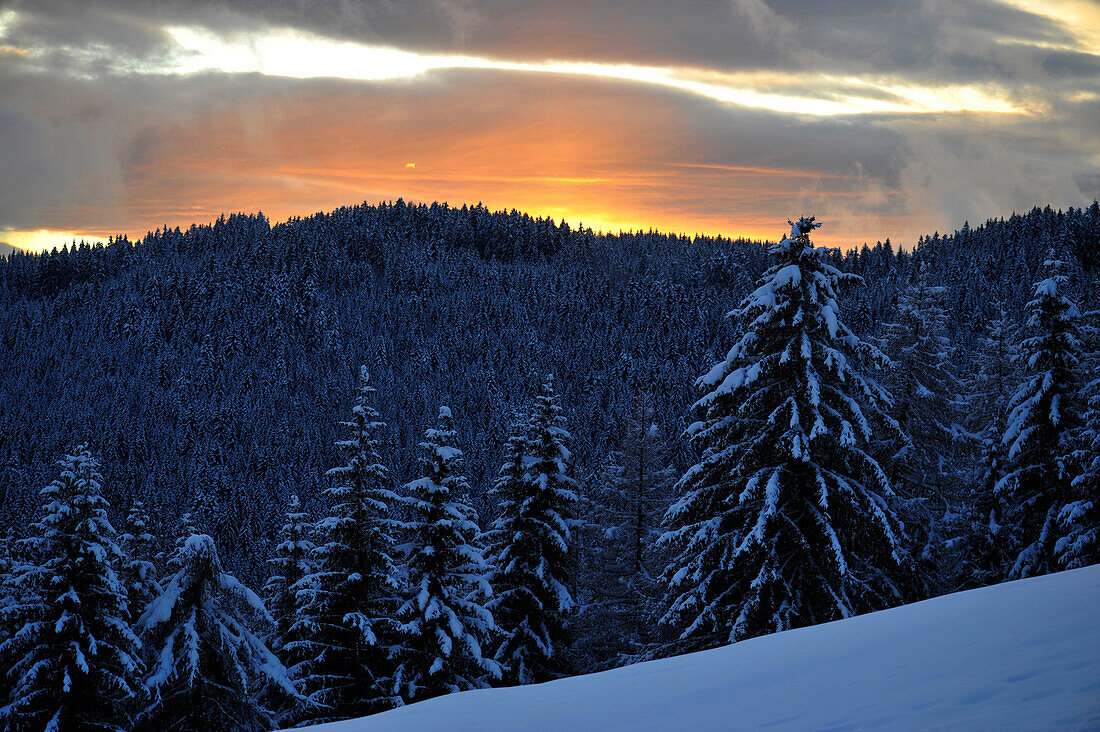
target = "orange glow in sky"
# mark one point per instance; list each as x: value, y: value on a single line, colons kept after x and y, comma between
x: 174, y: 119
x: 565, y: 155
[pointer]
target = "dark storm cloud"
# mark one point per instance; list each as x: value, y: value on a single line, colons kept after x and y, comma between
x: 851, y: 35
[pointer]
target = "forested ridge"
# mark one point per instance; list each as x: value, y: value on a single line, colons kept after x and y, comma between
x: 306, y: 407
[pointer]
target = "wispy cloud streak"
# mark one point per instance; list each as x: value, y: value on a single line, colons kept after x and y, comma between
x: 887, y: 117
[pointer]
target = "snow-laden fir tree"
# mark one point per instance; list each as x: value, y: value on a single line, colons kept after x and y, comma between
x: 1079, y: 519
x: 139, y: 572
x: 206, y: 512
x: 291, y: 564
x: 924, y: 386
x: 446, y: 631
x: 982, y: 546
x: 624, y: 505
x: 346, y: 628
x: 208, y: 663
x: 531, y: 545
x: 1043, y: 424
x: 10, y: 569
x: 186, y: 527
x: 74, y: 663
x: 926, y: 389
x: 785, y: 520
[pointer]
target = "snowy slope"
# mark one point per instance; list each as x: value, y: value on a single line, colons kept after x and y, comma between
x: 1022, y: 655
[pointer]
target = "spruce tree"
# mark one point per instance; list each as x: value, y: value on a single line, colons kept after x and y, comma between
x: 926, y: 390
x: 785, y: 521
x: 531, y: 545
x: 625, y: 504
x: 1042, y: 426
x: 291, y: 564
x: 74, y: 663
x: 12, y: 567
x: 140, y: 574
x: 10, y: 570
x: 446, y: 629
x: 186, y: 527
x: 208, y: 664
x: 1079, y: 519
x: 346, y: 626
x: 982, y: 545
x: 205, y: 509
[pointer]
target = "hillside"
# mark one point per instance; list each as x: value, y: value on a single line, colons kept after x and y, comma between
x: 872, y: 428
x: 1021, y: 655
x: 223, y: 355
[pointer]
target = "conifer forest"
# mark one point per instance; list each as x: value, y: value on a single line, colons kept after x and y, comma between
x: 261, y: 476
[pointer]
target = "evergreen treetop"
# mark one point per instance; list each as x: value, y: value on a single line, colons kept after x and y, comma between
x: 446, y: 628
x: 346, y: 625
x: 531, y: 544
x: 74, y: 662
x: 1043, y: 423
x: 786, y: 520
x: 208, y: 663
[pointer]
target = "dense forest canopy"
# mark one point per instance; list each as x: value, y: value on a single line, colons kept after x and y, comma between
x: 462, y: 449
x: 217, y: 360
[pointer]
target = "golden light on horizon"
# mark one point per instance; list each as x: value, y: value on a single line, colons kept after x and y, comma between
x: 547, y: 151
x: 40, y: 240
x: 43, y: 240
x: 288, y: 121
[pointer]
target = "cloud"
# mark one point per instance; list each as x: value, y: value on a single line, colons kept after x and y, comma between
x: 693, y: 116
x: 764, y: 23
x: 559, y: 146
x: 854, y: 36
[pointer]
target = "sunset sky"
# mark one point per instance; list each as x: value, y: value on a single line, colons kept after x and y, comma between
x: 885, y: 119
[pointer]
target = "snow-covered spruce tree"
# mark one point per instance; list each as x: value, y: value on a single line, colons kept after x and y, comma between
x: 624, y: 505
x: 205, y: 509
x: 926, y: 389
x: 186, y: 527
x: 1079, y: 520
x: 923, y: 383
x: 446, y: 631
x: 74, y: 662
x: 292, y: 562
x: 208, y: 663
x: 988, y: 392
x: 12, y: 567
x: 531, y: 545
x: 785, y: 520
x: 10, y: 570
x: 290, y: 565
x: 1042, y: 426
x: 139, y: 572
x: 347, y: 625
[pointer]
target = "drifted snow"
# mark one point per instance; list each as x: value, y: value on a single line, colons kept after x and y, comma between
x: 1022, y: 655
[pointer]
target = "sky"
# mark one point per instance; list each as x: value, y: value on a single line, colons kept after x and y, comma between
x: 887, y: 118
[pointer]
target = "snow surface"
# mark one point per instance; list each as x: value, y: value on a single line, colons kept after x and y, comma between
x: 1021, y: 655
